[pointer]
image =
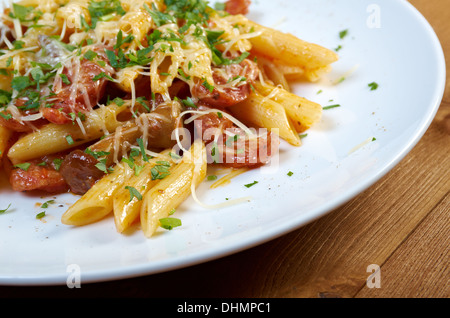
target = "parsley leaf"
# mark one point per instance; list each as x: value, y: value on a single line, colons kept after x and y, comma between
x: 40, y: 215
x: 65, y: 79
x: 160, y: 170
x: 343, y: 34
x: 134, y: 193
x: 90, y: 55
x: 104, y: 10
x: 19, y: 83
x: 21, y: 12
x: 331, y: 106
x: 121, y: 41
x: 46, y: 203
x: 373, y: 86
x: 101, y: 165
x: 160, y: 18
x: 4, y: 210
x: 24, y: 166
x: 169, y: 223
x: 142, y: 148
x: 251, y: 184
x: 102, y: 75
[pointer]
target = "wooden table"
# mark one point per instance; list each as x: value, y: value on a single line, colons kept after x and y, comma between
x: 402, y: 224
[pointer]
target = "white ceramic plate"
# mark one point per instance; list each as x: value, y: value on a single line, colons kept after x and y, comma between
x: 388, y: 41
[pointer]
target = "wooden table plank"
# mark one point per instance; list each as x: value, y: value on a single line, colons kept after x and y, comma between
x: 438, y: 15
x: 425, y: 255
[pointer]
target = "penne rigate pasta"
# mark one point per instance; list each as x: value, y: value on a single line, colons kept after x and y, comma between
x: 127, y: 210
x: 169, y: 193
x: 273, y: 72
x: 53, y: 138
x: 303, y: 112
x: 286, y: 48
x: 97, y: 203
x: 5, y: 135
x: 261, y: 111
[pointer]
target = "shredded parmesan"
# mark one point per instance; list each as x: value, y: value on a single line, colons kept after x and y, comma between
x: 225, y: 180
x: 365, y: 142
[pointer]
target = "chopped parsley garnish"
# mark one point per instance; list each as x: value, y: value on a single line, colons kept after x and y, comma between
x: 24, y: 166
x: 65, y: 79
x: 170, y: 223
x: 160, y: 170
x: 46, y: 203
x: 188, y: 102
x: 122, y: 60
x: 101, y: 165
x: 208, y: 86
x: 6, y: 116
x: 142, y: 148
x: 134, y: 193
x: 343, y: 34
x: 17, y: 45
x: 104, y: 10
x: 4, y: 210
x: 183, y: 75
x: 40, y: 215
x: 57, y: 163
x: 290, y: 173
x: 237, y: 60
x: 160, y: 18
x: 331, y: 106
x: 130, y: 162
x: 5, y: 97
x: 69, y: 139
x: 118, y: 101
x: 121, y: 41
x: 90, y: 55
x: 21, y: 12
x: 251, y: 184
x: 102, y: 75
x: 373, y: 86
x: 174, y: 156
x: 19, y: 83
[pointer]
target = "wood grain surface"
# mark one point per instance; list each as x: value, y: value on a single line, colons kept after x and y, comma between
x: 401, y: 224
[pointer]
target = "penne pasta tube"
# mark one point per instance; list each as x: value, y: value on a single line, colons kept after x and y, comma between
x: 5, y: 134
x: 291, y: 72
x: 273, y: 72
x: 285, y: 47
x: 97, y: 203
x: 53, y: 138
x: 171, y: 191
x: 127, y: 209
x: 303, y: 112
x: 261, y: 111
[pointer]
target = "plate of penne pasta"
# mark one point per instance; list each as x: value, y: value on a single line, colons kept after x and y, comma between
x: 142, y: 136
